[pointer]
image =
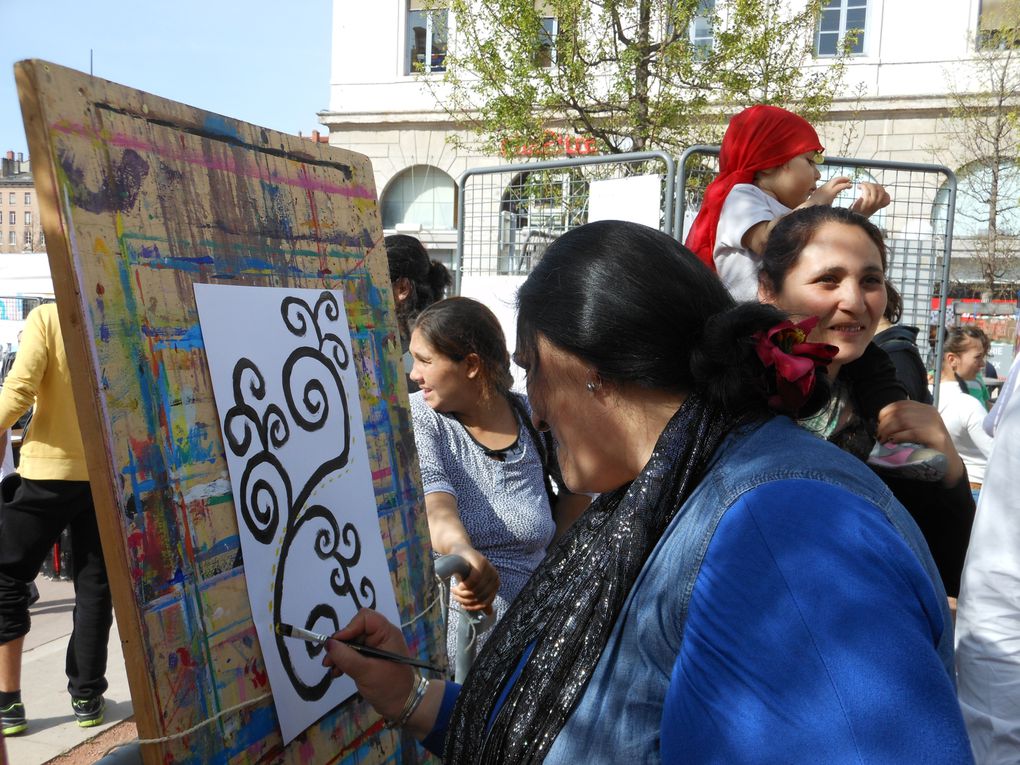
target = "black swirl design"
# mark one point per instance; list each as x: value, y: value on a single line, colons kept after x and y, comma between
x: 257, y: 429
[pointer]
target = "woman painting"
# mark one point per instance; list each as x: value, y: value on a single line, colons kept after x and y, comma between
x: 708, y: 606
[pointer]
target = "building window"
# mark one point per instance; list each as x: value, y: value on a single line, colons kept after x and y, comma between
x: 12, y: 217
x: 546, y: 55
x: 700, y: 31
x: 536, y: 208
x: 12, y: 237
x: 28, y: 238
x: 28, y: 197
x: 11, y: 197
x: 999, y: 25
x: 28, y: 217
x: 420, y: 195
x: 426, y: 37
x: 839, y: 19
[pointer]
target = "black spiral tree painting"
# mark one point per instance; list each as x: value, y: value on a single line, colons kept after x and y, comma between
x: 281, y: 499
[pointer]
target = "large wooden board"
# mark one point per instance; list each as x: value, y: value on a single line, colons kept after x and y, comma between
x: 140, y: 198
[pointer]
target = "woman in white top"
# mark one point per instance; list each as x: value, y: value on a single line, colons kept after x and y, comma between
x: 963, y: 359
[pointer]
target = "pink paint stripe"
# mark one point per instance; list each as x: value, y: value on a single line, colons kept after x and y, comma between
x: 378, y: 475
x: 226, y: 164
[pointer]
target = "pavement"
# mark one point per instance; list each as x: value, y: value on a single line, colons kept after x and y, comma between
x: 52, y: 729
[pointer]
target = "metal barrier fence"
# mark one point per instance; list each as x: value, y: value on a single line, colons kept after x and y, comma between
x: 918, y: 228
x: 507, y: 215
x: 18, y: 307
x: 14, y: 308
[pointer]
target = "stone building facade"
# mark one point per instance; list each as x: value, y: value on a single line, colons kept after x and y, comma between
x: 20, y: 226
x: 896, y: 104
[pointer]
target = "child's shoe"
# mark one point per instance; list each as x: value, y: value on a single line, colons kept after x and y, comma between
x: 908, y: 461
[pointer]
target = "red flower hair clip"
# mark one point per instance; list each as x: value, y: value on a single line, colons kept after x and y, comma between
x: 796, y: 361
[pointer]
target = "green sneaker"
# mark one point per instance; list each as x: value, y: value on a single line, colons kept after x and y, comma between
x: 12, y: 719
x: 88, y: 712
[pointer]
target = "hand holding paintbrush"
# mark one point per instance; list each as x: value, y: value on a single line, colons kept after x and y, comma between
x: 287, y: 630
x: 396, y: 690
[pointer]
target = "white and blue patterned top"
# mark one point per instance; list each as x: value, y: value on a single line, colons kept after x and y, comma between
x: 502, y: 504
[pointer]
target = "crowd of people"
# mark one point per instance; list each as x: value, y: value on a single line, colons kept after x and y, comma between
x: 769, y: 565
x: 724, y: 524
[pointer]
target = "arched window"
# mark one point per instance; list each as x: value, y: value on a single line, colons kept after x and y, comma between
x: 536, y: 207
x: 979, y: 190
x: 420, y: 195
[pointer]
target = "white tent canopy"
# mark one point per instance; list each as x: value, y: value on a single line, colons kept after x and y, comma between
x: 21, y: 275
x: 25, y: 275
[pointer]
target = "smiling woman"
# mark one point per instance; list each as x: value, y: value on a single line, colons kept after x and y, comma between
x: 830, y: 263
x: 715, y: 587
x: 839, y: 276
x: 483, y: 467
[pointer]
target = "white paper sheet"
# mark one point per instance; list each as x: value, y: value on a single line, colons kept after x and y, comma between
x: 637, y: 199
x: 286, y: 393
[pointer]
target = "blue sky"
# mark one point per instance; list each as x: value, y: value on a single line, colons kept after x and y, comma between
x: 262, y: 61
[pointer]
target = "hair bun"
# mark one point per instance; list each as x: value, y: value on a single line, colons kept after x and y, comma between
x: 730, y: 370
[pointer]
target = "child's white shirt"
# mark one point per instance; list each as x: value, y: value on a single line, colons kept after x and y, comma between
x: 745, y: 206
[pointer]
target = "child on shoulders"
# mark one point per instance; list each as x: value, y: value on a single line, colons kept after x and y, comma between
x: 768, y: 166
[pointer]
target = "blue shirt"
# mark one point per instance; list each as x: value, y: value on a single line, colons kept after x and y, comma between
x: 811, y: 635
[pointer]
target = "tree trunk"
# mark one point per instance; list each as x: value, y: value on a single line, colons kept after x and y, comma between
x: 642, y: 75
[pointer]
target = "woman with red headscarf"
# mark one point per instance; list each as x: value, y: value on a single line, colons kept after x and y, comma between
x: 768, y: 166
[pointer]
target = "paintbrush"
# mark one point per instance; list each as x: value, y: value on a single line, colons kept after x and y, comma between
x: 288, y: 630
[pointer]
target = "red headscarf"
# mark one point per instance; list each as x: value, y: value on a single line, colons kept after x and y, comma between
x: 759, y: 138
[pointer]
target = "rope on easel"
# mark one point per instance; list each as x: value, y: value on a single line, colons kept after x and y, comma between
x: 237, y: 707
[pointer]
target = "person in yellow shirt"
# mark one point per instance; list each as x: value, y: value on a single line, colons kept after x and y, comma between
x: 50, y: 492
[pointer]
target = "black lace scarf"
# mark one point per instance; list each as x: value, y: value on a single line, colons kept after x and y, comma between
x: 567, y: 610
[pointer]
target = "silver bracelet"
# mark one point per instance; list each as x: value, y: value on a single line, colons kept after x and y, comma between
x: 414, y: 699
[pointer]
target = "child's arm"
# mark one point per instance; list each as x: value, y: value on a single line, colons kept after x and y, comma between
x: 755, y: 237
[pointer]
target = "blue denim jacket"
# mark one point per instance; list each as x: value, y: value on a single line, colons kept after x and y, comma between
x: 618, y: 719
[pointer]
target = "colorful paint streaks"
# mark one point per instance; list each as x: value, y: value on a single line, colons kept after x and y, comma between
x: 156, y: 196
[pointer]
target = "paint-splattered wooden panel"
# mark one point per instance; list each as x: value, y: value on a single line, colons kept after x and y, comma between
x: 141, y: 198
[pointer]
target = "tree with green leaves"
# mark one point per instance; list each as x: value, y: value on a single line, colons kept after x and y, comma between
x: 985, y: 128
x: 634, y: 75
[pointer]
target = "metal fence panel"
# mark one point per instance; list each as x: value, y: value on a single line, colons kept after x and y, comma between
x: 508, y: 214
x: 917, y: 225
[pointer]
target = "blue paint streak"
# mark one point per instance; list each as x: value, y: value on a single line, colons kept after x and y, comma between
x: 220, y: 125
x: 178, y: 577
x: 176, y: 339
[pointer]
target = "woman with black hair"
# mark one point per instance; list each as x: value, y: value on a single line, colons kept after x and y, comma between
x: 830, y: 263
x: 417, y: 283
x: 484, y: 468
x: 740, y: 590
